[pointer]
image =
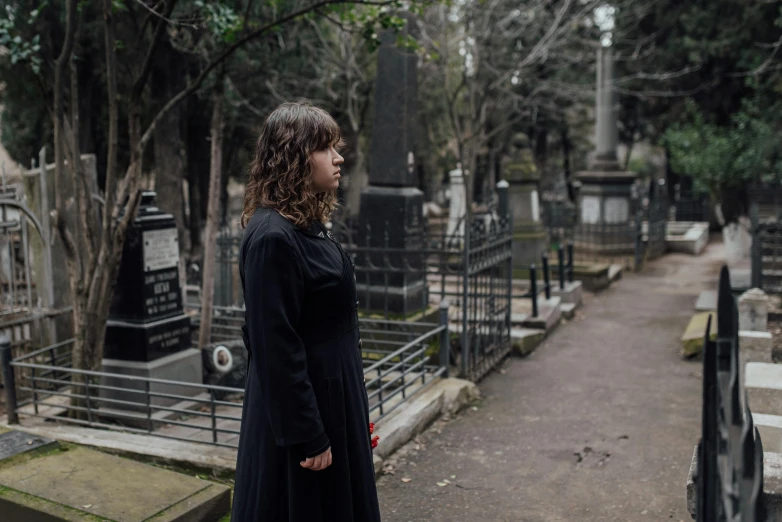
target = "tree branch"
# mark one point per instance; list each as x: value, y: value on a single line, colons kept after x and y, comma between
x: 138, y: 85
x: 238, y: 44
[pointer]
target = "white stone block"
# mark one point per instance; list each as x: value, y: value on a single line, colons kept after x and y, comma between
x: 755, y: 346
x: 753, y: 310
x: 764, y: 387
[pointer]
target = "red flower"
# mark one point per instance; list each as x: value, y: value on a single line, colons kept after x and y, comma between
x: 375, y: 438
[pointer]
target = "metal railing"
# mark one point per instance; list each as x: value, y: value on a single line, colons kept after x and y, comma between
x: 729, y: 476
x: 400, y: 359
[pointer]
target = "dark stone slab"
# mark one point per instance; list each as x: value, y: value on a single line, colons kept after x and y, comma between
x: 16, y: 442
x: 147, y: 341
x: 396, y: 105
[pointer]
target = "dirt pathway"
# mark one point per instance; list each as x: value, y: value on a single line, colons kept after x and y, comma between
x: 598, y: 425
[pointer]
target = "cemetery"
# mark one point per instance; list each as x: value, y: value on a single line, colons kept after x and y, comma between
x: 567, y: 257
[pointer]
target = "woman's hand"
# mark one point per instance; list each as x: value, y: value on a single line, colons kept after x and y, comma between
x: 318, y: 462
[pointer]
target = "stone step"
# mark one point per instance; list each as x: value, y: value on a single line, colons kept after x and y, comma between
x: 525, y: 340
x: 764, y: 387
x: 568, y: 310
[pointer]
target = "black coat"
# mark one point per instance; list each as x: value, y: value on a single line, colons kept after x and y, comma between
x: 305, y: 383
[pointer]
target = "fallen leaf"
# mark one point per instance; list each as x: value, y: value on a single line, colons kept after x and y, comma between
x: 442, y: 484
x: 88, y: 506
x: 453, y: 476
x: 446, y: 481
x: 406, y: 479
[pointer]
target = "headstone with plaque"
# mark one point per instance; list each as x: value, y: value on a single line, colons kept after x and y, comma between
x: 147, y: 332
x: 529, y: 235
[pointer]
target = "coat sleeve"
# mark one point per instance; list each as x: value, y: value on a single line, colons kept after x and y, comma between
x: 274, y: 284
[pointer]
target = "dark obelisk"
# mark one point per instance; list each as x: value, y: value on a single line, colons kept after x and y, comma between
x: 391, y: 212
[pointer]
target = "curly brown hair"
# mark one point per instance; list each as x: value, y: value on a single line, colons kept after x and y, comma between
x: 280, y: 174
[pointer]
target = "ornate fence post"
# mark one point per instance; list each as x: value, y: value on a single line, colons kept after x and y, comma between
x: 9, y: 382
x: 445, y: 338
x: 729, y: 475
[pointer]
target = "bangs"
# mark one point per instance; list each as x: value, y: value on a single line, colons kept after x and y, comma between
x: 327, y: 133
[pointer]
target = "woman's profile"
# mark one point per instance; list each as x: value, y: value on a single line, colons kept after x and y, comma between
x: 305, y: 448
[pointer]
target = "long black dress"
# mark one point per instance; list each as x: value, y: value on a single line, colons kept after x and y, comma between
x: 305, y: 385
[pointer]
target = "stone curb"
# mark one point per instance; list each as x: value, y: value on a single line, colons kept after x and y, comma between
x: 444, y: 396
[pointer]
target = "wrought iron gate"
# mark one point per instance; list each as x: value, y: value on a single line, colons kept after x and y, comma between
x: 729, y: 475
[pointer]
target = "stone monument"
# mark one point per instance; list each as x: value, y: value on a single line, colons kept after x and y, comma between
x: 605, y: 192
x: 457, y: 211
x: 391, y: 209
x: 529, y: 234
x: 753, y: 310
x: 147, y: 332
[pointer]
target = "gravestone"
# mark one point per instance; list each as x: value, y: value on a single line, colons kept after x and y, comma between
x: 529, y: 234
x: 391, y: 208
x: 606, y: 192
x: 147, y: 332
x: 15, y: 442
x: 753, y: 310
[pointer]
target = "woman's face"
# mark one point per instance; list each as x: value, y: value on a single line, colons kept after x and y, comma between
x: 325, y: 169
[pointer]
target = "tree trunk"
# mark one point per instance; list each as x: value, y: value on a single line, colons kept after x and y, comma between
x: 197, y: 170
x: 212, y: 217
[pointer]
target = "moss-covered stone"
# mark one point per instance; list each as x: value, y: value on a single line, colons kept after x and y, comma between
x: 694, y: 334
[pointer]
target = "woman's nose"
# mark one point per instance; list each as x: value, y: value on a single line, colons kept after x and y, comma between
x: 338, y: 160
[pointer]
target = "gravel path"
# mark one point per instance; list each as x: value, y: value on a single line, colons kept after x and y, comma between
x: 597, y: 425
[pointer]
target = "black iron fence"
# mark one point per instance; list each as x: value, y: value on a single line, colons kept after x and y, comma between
x: 640, y: 237
x: 695, y: 208
x: 400, y: 359
x: 729, y: 476
x: 469, y: 267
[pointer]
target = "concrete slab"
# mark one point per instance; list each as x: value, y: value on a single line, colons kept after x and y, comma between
x: 112, y: 487
x: 764, y: 387
x: 687, y: 237
x: 571, y: 294
x: 549, y: 314
x: 568, y: 310
x: 692, y: 338
x: 707, y: 301
x: 159, y: 448
x: 772, y: 484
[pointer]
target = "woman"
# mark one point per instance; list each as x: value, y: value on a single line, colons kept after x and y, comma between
x: 305, y: 450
